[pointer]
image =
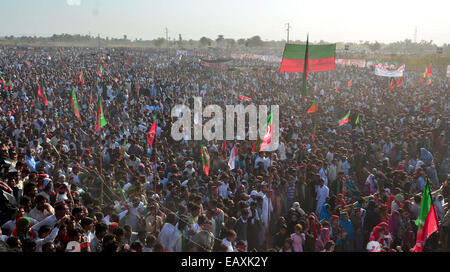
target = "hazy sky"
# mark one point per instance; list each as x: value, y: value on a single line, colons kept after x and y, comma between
x: 330, y: 20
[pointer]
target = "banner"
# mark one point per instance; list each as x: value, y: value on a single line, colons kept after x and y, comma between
x: 361, y: 63
x: 381, y: 70
x: 267, y: 58
x: 448, y: 71
x: 182, y: 52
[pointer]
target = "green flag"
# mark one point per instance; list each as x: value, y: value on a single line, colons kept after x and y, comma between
x: 425, y: 204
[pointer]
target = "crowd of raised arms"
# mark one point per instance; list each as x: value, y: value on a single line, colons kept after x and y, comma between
x: 350, y: 188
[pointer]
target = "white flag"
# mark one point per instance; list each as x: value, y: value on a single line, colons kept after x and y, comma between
x: 233, y: 155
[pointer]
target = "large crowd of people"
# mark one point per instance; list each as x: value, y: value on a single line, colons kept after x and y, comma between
x: 350, y: 188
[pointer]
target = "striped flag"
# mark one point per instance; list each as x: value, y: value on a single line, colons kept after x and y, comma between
x: 313, y: 108
x: 101, y: 121
x: 344, y: 119
x: 74, y: 103
x: 243, y: 97
x: 257, y: 145
x: 100, y: 70
x: 427, y: 220
x: 42, y: 94
x: 269, y: 133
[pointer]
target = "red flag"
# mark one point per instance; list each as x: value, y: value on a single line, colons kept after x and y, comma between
x: 151, y: 134
x: 42, y: 95
x: 101, y: 121
x: 269, y: 133
x: 400, y: 82
x: 313, y: 108
x: 224, y: 148
x: 428, y: 228
x: 205, y: 159
x: 81, y: 78
x: 429, y: 71
x: 243, y: 97
x: 392, y: 83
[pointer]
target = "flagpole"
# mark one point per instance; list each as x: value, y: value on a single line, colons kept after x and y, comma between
x: 156, y: 162
x: 101, y: 169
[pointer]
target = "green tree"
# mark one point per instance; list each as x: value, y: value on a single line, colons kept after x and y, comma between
x: 159, y: 42
x: 205, y: 41
x: 254, y: 41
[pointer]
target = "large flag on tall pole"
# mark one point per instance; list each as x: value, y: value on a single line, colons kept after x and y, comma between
x: 42, y: 94
x: 233, y: 155
x: 101, y: 121
x: 269, y: 133
x: 152, y: 133
x: 205, y: 159
x: 427, y: 220
x: 74, y: 103
x: 344, y: 119
x: 321, y: 57
x: 305, y: 68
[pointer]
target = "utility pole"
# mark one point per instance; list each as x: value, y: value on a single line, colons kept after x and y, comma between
x: 98, y: 38
x: 415, y: 35
x: 287, y: 30
x: 167, y: 40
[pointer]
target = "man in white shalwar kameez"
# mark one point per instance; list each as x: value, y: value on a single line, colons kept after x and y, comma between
x: 266, y: 210
x: 322, y: 195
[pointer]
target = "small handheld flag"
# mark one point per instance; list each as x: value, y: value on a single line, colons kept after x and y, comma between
x: 101, y: 121
x: 74, y: 103
x: 344, y: 119
x: 205, y: 159
x: 243, y: 97
x: 42, y: 94
x: 269, y: 133
x: 313, y: 108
